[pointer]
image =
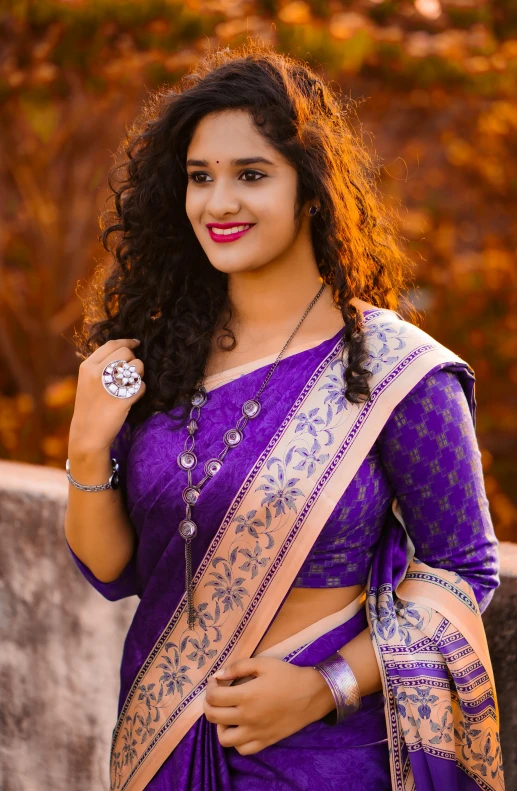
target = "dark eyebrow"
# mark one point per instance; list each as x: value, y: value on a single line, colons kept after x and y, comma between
x: 238, y: 162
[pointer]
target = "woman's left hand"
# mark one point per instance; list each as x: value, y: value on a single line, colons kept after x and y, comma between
x: 277, y: 701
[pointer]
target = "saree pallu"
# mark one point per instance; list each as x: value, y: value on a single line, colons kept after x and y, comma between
x: 442, y: 713
x: 441, y: 726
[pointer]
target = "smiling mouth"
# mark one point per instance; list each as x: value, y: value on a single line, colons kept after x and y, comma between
x: 229, y: 234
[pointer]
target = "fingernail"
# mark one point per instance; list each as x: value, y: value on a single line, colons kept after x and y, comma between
x: 219, y: 673
x: 136, y: 339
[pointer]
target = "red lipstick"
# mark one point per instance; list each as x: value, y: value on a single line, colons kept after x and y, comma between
x: 228, y: 237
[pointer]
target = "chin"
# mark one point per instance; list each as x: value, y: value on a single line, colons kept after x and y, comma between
x: 230, y: 268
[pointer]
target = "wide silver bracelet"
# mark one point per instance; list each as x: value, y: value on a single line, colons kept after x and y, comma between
x: 343, y: 685
x: 113, y: 482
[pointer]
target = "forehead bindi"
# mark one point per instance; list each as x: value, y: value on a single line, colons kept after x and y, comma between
x: 220, y: 137
x: 238, y: 162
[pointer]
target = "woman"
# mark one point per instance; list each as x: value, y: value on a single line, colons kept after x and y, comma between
x: 306, y: 526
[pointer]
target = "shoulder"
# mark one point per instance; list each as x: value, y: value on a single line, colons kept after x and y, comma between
x: 389, y: 327
x: 403, y: 358
x: 437, y: 409
x: 440, y: 386
x: 387, y: 332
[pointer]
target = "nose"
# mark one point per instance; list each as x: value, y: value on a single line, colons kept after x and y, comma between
x: 222, y: 199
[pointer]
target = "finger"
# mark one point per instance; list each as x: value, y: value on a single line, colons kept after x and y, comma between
x: 222, y: 715
x: 108, y: 348
x: 231, y: 737
x: 242, y: 667
x: 248, y: 748
x: 224, y: 696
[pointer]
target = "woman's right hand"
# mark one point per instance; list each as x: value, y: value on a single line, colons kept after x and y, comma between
x: 98, y: 416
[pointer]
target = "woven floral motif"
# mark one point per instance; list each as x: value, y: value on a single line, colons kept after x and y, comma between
x: 420, y: 648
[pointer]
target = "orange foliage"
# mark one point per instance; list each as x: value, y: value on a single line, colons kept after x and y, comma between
x: 439, y: 81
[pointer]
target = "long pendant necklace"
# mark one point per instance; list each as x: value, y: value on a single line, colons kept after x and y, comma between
x: 187, y: 459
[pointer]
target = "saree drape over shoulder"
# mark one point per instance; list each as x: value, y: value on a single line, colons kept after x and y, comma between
x: 320, y: 491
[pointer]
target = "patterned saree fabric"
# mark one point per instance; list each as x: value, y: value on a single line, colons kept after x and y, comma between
x: 320, y: 493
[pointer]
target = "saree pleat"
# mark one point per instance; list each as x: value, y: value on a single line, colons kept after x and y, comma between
x: 352, y: 755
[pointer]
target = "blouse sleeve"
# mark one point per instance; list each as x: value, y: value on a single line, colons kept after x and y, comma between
x: 126, y: 583
x: 430, y: 453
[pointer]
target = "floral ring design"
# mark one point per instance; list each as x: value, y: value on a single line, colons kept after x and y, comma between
x: 120, y: 379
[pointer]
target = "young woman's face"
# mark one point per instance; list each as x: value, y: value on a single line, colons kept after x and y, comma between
x: 227, y: 192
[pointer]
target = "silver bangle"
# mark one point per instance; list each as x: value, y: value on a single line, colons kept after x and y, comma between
x: 113, y: 482
x: 343, y: 685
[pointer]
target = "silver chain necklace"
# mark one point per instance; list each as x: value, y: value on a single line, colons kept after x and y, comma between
x: 187, y: 459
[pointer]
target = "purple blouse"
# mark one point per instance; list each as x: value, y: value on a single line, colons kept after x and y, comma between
x: 427, y: 456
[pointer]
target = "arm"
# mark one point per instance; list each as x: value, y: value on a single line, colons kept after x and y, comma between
x: 431, y: 456
x: 98, y: 531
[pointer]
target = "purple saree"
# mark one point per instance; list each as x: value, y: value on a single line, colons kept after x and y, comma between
x: 345, y: 468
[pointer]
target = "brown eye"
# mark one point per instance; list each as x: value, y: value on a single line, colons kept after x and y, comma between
x: 254, y: 173
x: 193, y: 176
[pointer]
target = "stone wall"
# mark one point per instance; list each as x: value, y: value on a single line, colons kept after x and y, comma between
x: 61, y: 644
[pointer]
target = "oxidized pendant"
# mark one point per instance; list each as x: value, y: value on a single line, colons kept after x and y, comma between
x: 190, y: 495
x: 232, y: 437
x: 199, y: 398
x: 187, y: 528
x: 212, y: 466
x: 187, y: 460
x: 251, y: 408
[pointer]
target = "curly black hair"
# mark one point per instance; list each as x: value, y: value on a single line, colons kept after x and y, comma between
x: 161, y: 287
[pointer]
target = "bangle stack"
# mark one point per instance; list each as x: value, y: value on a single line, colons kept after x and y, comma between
x: 343, y: 685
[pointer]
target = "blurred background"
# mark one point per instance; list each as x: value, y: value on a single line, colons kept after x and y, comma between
x: 436, y: 86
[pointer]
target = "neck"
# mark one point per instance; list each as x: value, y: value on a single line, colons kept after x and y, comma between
x: 271, y: 300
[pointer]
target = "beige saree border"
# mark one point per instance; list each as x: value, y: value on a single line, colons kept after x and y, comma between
x: 159, y: 709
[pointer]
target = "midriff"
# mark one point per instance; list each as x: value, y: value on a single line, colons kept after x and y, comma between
x: 303, y: 607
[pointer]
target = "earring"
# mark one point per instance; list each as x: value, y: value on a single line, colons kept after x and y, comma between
x: 313, y: 210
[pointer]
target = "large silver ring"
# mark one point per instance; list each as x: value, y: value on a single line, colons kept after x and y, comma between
x: 120, y: 379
